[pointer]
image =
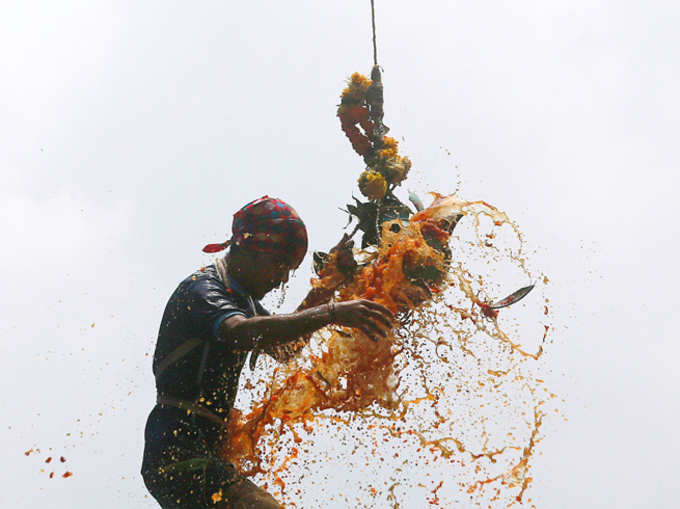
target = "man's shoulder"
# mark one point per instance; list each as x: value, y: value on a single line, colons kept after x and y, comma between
x: 199, y: 280
x: 206, y: 273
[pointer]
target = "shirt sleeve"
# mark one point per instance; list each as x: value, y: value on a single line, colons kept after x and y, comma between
x: 209, y: 304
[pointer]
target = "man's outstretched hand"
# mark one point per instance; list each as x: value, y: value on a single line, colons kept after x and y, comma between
x: 371, y: 318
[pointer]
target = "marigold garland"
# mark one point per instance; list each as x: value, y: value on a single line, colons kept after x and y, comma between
x: 372, y: 185
x: 361, y: 105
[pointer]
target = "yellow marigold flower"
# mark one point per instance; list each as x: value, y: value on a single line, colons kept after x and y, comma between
x: 387, y: 153
x: 359, y: 80
x: 372, y: 184
x: 390, y: 143
x: 357, y: 85
x: 355, y: 92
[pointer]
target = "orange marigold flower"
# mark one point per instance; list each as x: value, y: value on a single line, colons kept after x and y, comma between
x: 360, y: 143
x: 368, y: 126
x: 358, y: 113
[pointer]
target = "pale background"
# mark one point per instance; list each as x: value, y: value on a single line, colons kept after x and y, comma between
x: 131, y: 131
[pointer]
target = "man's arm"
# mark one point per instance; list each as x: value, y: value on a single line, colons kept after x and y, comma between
x: 265, y: 332
x: 338, y: 269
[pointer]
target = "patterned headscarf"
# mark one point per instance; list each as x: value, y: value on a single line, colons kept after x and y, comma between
x: 268, y: 225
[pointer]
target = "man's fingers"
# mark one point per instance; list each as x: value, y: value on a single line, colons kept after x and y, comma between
x: 378, y: 327
x: 380, y: 317
x: 373, y: 319
x: 378, y: 307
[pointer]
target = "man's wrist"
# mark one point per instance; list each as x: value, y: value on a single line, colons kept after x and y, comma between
x: 330, y: 306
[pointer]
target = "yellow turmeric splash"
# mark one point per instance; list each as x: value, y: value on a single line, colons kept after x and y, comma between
x: 444, y: 400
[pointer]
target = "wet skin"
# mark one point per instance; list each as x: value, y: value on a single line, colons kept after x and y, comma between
x: 259, y: 273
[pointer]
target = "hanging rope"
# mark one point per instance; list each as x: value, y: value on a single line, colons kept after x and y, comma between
x: 375, y: 48
x: 375, y: 76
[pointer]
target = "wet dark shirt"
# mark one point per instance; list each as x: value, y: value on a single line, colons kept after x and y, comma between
x: 195, y: 310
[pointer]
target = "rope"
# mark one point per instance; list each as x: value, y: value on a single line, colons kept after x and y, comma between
x: 375, y: 63
x: 375, y: 48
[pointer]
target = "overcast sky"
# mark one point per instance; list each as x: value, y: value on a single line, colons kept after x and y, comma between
x: 131, y: 131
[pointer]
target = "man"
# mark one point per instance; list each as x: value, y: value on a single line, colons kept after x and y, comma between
x: 211, y: 322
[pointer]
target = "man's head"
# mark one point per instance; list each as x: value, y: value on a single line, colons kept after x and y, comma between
x: 268, y: 240
x: 257, y: 272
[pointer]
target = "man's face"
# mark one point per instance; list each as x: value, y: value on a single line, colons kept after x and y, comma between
x: 269, y: 271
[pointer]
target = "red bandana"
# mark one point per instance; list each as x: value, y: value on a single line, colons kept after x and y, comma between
x: 268, y: 225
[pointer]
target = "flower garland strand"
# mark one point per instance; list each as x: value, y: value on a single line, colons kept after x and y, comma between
x: 361, y: 105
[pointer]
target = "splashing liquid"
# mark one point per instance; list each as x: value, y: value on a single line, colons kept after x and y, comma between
x: 443, y: 400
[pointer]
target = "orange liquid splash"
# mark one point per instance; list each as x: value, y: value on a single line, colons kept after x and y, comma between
x: 409, y: 392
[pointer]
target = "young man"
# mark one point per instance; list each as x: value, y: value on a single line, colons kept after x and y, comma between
x: 211, y: 322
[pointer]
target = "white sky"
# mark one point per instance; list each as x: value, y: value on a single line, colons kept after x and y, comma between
x: 131, y: 131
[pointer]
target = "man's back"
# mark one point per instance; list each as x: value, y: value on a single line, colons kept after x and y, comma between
x: 197, y: 377
x: 190, y: 362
